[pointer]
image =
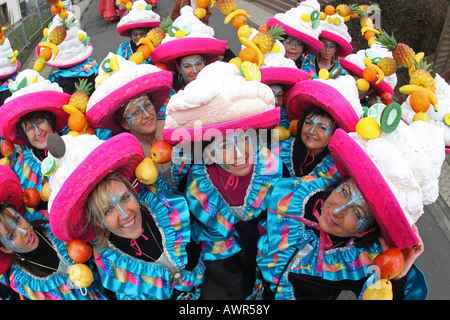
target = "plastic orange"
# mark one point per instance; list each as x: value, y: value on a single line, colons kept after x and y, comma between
x: 45, y: 53
x: 369, y: 34
x: 263, y: 27
x: 203, y: 3
x: 419, y: 101
x: 145, y: 49
x: 77, y: 121
x: 329, y: 10
x: 369, y: 73
x: 248, y: 54
x: 54, y: 9
x: 239, y: 21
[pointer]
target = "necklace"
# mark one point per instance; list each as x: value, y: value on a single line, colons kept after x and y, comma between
x: 228, y: 195
x: 176, y: 275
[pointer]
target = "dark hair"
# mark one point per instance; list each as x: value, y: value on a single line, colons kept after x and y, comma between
x: 368, y: 238
x: 33, y: 116
x: 316, y: 110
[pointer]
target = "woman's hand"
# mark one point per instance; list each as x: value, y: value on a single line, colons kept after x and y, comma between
x: 410, y: 254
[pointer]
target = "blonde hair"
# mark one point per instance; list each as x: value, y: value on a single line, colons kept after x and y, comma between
x: 99, y: 199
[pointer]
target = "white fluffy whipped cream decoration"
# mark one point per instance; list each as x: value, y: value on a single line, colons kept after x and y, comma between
x: 219, y: 94
x: 6, y: 53
x: 139, y: 12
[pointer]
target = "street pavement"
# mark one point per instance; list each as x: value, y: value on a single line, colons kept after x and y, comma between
x: 434, y: 225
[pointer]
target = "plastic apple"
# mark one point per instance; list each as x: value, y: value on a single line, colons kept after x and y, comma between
x: 7, y: 148
x: 79, y: 250
x: 390, y: 262
x: 386, y: 98
x: 161, y: 152
x: 31, y: 197
x: 293, y: 127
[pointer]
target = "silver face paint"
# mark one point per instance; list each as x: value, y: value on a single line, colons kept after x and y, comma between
x: 191, y: 63
x: 356, y: 201
x: 9, y: 239
x: 278, y: 92
x: 117, y: 202
x: 137, y: 109
x: 317, y: 121
x: 293, y: 42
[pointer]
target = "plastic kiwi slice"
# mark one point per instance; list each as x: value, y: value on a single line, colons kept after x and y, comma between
x: 390, y: 118
x: 447, y: 119
x: 106, y: 66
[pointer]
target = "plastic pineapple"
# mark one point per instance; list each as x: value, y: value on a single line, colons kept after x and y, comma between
x: 226, y: 6
x: 59, y: 33
x: 388, y: 65
x: 422, y: 76
x: 79, y: 99
x: 266, y: 39
x: 401, y: 52
x: 156, y: 35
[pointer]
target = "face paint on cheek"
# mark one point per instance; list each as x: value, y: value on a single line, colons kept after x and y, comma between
x: 364, y: 223
x: 317, y: 120
x: 10, y: 242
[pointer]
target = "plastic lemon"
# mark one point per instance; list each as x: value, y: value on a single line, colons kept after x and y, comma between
x: 324, y: 74
x: 244, y: 31
x: 305, y: 17
x: 275, y: 48
x: 421, y: 116
x: 73, y: 133
x: 180, y: 34
x: 336, y: 21
x: 81, y: 275
x: 250, y: 71
x: 101, y: 77
x: 39, y: 64
x: 447, y: 119
x: 362, y: 84
x: 129, y: 5
x: 322, y: 15
x: 48, y: 166
x: 81, y: 36
x: 114, y: 63
x: 200, y: 12
x: 375, y: 111
x: 237, y: 61
x: 368, y: 128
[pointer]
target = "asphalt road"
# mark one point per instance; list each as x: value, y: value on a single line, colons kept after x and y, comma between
x: 432, y: 227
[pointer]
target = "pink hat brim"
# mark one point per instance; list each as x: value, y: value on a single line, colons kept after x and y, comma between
x: 121, y: 153
x: 67, y: 65
x: 170, y: 51
x: 383, y: 86
x: 313, y: 92
x: 344, y: 47
x: 7, y: 75
x: 283, y: 75
x: 351, y: 160
x: 125, y: 30
x: 13, y: 110
x: 312, y: 45
x: 264, y: 120
x: 157, y: 85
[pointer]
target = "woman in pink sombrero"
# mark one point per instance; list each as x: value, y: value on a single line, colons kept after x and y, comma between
x: 336, y: 43
x: 33, y: 261
x: 32, y: 113
x: 188, y: 55
x: 320, y: 109
x: 322, y: 239
x: 135, y: 24
x: 218, y: 119
x: 129, y: 98
x: 143, y: 247
x: 302, y: 38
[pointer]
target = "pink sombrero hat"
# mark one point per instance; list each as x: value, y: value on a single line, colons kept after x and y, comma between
x: 312, y: 92
x: 264, y: 120
x: 312, y: 45
x: 16, y: 108
x: 156, y: 85
x: 121, y: 153
x: 351, y: 160
x: 344, y: 47
x: 383, y: 86
x: 64, y: 64
x: 283, y: 75
x: 168, y: 52
x: 9, y: 74
x: 125, y: 30
x: 11, y: 193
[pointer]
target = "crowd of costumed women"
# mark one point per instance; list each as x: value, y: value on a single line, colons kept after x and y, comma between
x: 177, y: 169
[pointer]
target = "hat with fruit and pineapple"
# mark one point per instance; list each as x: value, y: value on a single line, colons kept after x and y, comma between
x: 139, y: 15
x: 396, y: 168
x: 335, y: 29
x: 222, y: 98
x: 302, y: 23
x: 10, y: 193
x: 31, y: 92
x: 343, y: 106
x: 120, y: 81
x: 187, y: 35
x: 64, y: 44
x: 85, y: 162
x: 8, y: 57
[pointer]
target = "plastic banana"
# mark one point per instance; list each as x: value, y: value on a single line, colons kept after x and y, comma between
x: 380, y: 72
x: 235, y: 13
x: 363, y: 30
x: 51, y: 46
x: 70, y: 109
x: 410, y: 88
x: 147, y: 42
x: 250, y: 44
